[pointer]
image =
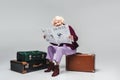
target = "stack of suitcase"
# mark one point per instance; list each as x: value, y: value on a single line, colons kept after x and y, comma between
x: 28, y: 61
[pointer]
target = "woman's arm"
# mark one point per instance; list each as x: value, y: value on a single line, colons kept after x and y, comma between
x: 72, y: 32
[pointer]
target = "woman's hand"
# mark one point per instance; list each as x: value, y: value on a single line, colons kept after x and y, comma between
x: 71, y: 37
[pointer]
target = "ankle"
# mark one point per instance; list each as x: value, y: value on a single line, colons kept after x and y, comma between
x: 55, y: 62
x: 56, y: 71
x: 50, y: 67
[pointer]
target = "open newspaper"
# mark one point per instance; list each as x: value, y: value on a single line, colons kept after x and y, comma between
x: 57, y: 35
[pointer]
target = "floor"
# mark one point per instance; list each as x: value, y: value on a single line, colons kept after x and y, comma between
x: 103, y: 72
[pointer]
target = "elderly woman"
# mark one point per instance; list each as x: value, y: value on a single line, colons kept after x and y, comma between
x: 55, y: 52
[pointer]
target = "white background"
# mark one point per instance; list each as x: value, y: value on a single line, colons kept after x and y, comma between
x: 96, y: 22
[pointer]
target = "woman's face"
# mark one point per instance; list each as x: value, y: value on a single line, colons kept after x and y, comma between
x: 57, y: 23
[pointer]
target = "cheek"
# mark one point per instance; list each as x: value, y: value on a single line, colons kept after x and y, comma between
x: 59, y: 23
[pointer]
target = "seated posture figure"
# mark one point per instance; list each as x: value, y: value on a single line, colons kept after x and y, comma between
x: 55, y: 52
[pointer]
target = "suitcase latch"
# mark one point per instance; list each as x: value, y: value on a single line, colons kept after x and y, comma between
x: 30, y: 57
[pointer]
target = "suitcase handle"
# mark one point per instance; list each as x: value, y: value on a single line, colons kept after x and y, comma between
x: 37, y: 65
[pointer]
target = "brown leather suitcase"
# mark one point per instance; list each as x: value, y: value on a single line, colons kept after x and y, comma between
x: 80, y: 62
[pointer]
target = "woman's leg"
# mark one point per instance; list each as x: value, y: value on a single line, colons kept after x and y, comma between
x: 49, y: 56
x: 60, y: 51
x: 50, y: 53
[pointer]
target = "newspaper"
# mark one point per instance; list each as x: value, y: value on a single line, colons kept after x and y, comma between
x: 57, y: 35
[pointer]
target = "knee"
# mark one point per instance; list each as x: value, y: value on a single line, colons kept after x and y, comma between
x: 60, y: 49
x: 49, y: 47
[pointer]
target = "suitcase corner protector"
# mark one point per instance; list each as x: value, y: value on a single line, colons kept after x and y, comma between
x: 24, y: 63
x: 24, y: 71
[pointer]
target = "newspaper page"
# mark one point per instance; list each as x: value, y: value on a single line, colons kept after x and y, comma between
x: 49, y: 35
x: 62, y: 34
x: 58, y: 35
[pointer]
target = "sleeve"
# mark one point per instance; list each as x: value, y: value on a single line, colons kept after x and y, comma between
x: 72, y: 32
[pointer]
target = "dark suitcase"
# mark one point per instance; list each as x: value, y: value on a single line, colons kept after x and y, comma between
x: 30, y: 55
x: 80, y: 62
x: 25, y: 67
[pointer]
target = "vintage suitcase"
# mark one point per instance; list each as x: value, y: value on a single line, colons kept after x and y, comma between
x: 25, y: 67
x: 30, y: 55
x: 80, y: 62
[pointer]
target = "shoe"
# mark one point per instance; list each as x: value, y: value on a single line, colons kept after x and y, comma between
x: 50, y: 67
x: 55, y: 71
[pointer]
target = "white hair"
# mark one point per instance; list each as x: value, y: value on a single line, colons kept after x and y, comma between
x: 58, y: 18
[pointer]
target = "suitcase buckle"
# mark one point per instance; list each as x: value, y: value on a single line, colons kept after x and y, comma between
x: 27, y: 66
x: 30, y: 57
